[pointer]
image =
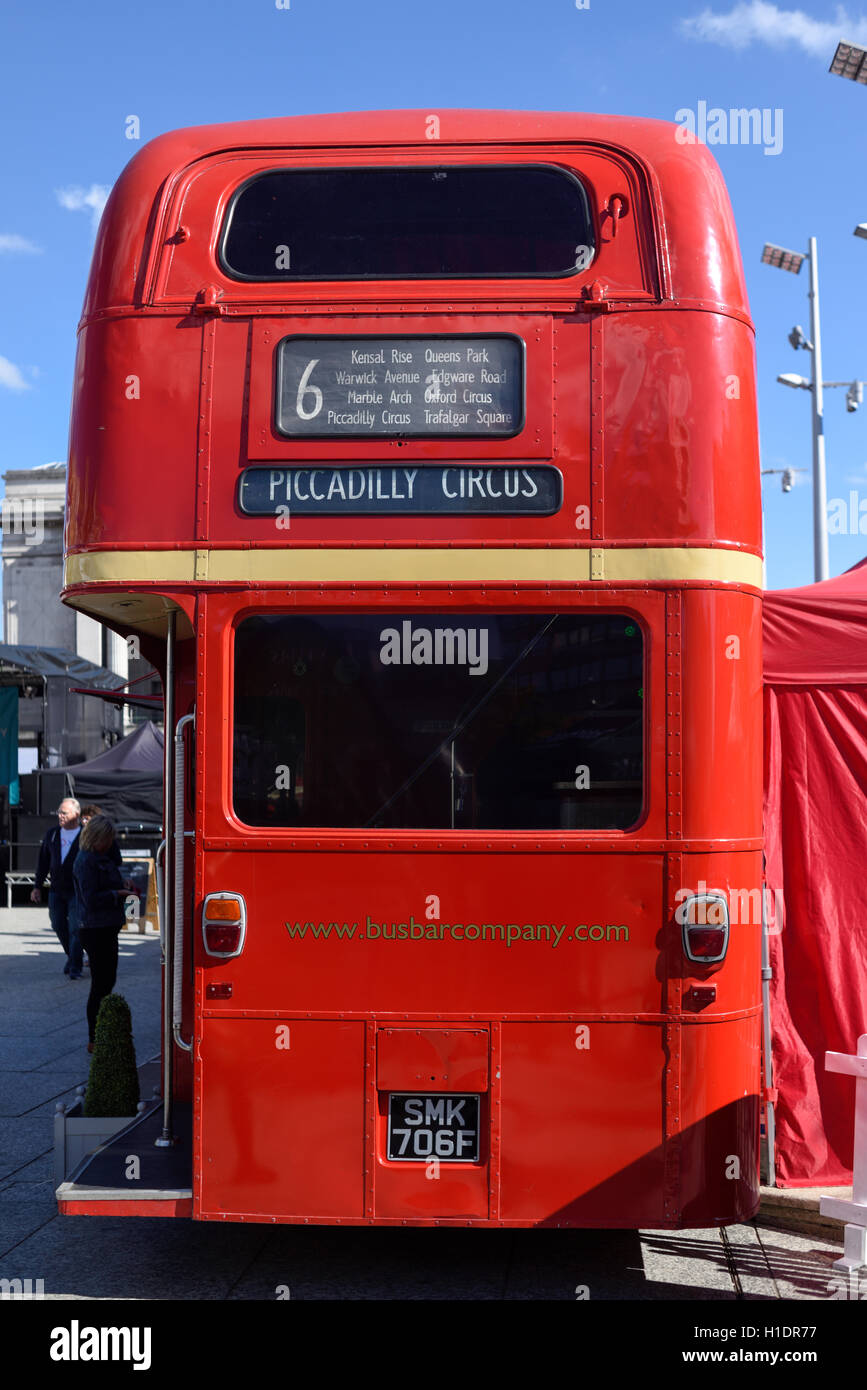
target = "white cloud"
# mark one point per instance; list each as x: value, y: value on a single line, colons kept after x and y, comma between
x: 11, y: 241
x: 12, y: 376
x: 78, y: 199
x: 760, y: 22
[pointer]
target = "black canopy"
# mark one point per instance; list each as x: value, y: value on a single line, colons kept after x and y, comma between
x: 126, y: 780
x: 57, y: 661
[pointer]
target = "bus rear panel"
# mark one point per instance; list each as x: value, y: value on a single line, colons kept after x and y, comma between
x: 425, y: 471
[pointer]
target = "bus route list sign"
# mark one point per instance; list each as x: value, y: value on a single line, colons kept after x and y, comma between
x: 409, y: 490
x: 462, y: 387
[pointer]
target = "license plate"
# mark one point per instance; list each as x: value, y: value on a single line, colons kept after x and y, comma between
x: 424, y: 1127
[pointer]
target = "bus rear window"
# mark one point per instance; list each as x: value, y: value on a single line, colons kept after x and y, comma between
x: 471, y: 721
x: 400, y: 223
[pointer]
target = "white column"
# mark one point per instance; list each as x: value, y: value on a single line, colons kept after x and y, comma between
x: 88, y: 638
x: 117, y: 660
x: 118, y: 654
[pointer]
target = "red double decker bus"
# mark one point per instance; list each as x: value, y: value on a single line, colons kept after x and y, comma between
x: 420, y: 454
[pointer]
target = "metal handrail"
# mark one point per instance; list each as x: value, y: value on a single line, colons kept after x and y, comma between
x: 178, y: 915
x: 767, y: 1058
x: 158, y: 873
x: 166, y: 1139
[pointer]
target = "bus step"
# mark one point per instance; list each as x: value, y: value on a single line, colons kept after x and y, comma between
x: 129, y: 1175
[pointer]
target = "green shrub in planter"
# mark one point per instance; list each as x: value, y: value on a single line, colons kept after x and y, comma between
x: 112, y: 1088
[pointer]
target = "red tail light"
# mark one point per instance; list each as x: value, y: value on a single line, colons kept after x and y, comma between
x: 704, y: 918
x: 224, y: 924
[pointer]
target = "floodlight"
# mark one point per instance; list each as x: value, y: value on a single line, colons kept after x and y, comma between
x: 789, y: 379
x: 850, y: 61
x: 782, y: 259
x: 798, y: 338
x: 861, y: 231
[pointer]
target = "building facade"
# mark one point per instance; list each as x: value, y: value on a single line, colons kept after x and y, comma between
x: 32, y: 512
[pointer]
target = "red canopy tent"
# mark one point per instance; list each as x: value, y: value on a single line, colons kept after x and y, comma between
x: 815, y: 660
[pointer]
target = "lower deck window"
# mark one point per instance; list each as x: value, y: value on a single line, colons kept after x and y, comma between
x: 471, y: 721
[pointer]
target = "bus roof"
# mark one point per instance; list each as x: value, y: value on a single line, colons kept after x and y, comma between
x: 692, y: 207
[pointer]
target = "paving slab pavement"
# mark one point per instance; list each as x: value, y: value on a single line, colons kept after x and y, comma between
x: 797, y: 1209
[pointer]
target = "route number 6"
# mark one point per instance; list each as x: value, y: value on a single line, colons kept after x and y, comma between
x: 304, y: 389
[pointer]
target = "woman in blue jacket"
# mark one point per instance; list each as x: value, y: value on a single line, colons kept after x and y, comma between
x: 99, y: 894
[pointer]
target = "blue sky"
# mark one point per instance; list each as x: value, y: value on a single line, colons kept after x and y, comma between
x: 70, y: 75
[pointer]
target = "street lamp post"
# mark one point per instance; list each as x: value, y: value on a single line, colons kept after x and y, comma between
x: 792, y: 260
x: 820, y: 494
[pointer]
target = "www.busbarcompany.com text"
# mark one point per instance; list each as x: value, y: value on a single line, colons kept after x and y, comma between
x: 510, y: 932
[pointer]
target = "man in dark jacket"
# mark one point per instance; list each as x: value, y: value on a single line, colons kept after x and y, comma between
x: 56, y: 857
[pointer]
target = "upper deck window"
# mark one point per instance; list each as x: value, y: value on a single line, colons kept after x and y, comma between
x: 402, y: 223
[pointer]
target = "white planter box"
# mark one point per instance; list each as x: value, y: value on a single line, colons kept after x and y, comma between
x: 77, y: 1135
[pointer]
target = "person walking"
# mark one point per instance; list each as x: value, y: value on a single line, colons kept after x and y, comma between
x: 57, y: 855
x: 100, y: 897
x: 87, y: 813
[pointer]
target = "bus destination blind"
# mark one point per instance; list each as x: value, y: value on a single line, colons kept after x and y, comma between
x: 461, y: 387
x: 410, y: 489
